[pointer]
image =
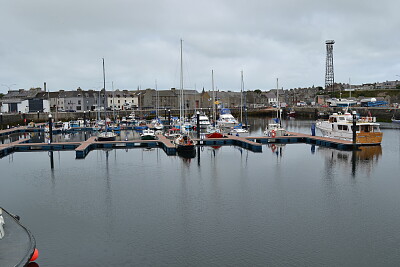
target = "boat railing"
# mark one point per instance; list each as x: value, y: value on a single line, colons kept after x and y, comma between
x: 368, y: 119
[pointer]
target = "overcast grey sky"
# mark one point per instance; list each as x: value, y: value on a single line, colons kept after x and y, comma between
x: 62, y: 43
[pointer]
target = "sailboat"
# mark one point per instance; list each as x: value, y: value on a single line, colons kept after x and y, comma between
x: 183, y: 142
x: 239, y: 130
x: 275, y: 129
x: 105, y: 135
x: 156, y: 122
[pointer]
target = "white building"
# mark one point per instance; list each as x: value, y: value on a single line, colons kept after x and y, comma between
x: 122, y: 100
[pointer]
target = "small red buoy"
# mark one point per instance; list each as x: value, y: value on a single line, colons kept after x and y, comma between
x: 35, y: 255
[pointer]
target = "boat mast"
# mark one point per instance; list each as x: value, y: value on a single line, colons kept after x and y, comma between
x: 241, y: 97
x: 277, y: 100
x: 113, y: 100
x: 104, y: 87
x: 213, y: 94
x: 156, y: 100
x: 181, y: 91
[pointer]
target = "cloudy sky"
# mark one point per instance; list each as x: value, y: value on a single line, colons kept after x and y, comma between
x: 63, y: 43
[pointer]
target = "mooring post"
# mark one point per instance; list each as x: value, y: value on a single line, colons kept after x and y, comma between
x: 354, y: 127
x: 51, y: 128
x: 198, y: 124
x: 84, y: 119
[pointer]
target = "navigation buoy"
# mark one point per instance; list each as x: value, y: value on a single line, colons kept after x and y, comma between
x: 35, y: 255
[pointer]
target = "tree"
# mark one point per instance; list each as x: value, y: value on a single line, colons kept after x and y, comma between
x: 257, y: 91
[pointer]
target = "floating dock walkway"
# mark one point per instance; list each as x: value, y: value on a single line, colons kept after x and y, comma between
x: 254, y: 144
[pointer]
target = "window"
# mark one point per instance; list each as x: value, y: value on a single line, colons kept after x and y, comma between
x: 78, y: 107
x: 79, y: 102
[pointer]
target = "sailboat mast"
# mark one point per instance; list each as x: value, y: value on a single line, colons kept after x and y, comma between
x: 113, y: 100
x: 241, y: 97
x: 181, y: 87
x: 213, y: 93
x: 104, y: 87
x: 277, y: 99
x: 156, y: 100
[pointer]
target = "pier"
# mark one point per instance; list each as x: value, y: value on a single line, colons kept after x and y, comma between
x: 83, y: 148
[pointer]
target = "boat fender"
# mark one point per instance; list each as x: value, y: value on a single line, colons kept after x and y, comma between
x: 35, y: 255
x: 273, y: 133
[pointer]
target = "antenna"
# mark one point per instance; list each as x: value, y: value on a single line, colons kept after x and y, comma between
x: 329, y: 75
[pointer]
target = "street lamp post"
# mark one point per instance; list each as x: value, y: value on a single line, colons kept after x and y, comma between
x: 1, y: 121
x: 169, y: 117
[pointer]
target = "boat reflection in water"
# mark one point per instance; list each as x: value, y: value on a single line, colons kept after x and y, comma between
x: 364, y: 157
x: 276, y: 148
x: 187, y: 155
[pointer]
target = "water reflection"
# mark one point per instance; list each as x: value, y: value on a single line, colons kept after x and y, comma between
x: 364, y: 158
x: 277, y: 149
x: 187, y: 156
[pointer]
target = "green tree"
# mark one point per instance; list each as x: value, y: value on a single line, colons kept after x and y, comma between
x: 257, y: 91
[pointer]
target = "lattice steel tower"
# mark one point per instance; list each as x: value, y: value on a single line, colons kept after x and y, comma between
x: 329, y: 76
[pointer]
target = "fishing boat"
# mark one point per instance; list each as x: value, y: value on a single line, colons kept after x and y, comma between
x: 148, y: 134
x: 340, y: 126
x: 17, y: 244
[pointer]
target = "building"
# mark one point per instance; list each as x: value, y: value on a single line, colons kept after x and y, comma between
x: 122, y: 100
x: 24, y: 101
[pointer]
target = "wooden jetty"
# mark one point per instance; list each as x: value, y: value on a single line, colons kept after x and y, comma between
x: 254, y: 144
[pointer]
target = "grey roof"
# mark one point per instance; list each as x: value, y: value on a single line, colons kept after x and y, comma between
x: 22, y: 93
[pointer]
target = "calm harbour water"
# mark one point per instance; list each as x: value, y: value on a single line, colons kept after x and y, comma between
x: 298, y: 205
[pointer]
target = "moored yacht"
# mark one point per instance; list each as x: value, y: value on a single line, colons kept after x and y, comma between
x: 148, y: 134
x: 226, y: 119
x: 340, y: 126
x: 203, y: 120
